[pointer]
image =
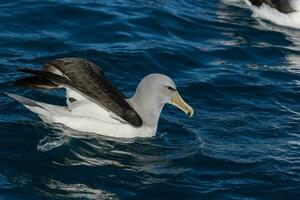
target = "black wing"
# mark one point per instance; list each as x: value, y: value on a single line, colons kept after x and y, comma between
x: 88, y: 79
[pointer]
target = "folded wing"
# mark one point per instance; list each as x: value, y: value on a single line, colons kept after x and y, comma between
x: 86, y: 78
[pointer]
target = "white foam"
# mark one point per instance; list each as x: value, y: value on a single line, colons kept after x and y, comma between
x: 231, y: 1
x: 236, y: 3
x: 268, y: 13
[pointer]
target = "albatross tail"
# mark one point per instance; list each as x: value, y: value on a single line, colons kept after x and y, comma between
x: 43, y: 110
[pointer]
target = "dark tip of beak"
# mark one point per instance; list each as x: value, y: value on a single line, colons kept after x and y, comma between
x: 189, y: 114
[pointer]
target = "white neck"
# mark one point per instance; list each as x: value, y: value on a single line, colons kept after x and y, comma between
x: 147, y: 107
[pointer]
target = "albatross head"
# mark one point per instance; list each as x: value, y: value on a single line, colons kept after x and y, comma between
x: 153, y: 92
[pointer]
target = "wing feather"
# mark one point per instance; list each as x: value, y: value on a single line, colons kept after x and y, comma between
x: 88, y: 79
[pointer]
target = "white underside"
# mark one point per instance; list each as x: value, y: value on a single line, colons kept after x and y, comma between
x: 86, y: 116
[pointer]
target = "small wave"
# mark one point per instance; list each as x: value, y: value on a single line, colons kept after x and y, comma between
x: 5, y: 183
x: 57, y: 189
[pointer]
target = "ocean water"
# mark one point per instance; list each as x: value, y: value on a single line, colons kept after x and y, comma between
x: 240, y: 74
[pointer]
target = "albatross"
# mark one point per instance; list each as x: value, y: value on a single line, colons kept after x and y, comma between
x: 283, y: 6
x: 281, y: 12
x: 94, y: 104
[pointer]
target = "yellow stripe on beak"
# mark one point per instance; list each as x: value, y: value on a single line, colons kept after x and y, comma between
x: 181, y: 104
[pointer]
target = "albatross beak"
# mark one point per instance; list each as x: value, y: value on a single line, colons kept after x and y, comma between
x: 181, y: 104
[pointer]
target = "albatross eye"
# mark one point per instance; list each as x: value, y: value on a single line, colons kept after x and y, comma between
x: 171, y: 88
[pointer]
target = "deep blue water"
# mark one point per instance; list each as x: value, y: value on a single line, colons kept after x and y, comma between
x: 241, y: 75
